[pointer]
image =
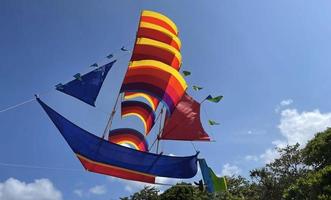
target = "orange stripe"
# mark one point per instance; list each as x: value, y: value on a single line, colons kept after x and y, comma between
x: 110, y: 166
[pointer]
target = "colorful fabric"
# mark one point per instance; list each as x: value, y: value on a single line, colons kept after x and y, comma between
x: 154, y: 102
x: 100, y: 156
x: 184, y: 123
x: 141, y: 110
x: 156, y: 49
x: 157, y: 39
x: 157, y: 79
x: 212, y: 182
x: 86, y: 87
x: 128, y: 137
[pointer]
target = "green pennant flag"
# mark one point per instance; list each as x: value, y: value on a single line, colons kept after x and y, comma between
x: 94, y: 65
x: 186, y: 73
x: 214, y: 99
x: 197, y: 88
x: 218, y: 182
x: 212, y: 123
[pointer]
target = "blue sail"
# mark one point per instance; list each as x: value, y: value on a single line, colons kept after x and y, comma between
x: 100, y: 156
x: 86, y: 87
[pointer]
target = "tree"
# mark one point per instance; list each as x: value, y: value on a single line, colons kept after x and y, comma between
x: 182, y: 191
x: 147, y: 193
x: 272, y: 180
x: 317, y: 152
x: 316, y: 185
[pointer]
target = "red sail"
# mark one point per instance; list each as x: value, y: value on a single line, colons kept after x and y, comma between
x: 184, y: 123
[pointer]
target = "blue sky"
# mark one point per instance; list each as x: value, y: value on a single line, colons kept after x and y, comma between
x: 270, y: 59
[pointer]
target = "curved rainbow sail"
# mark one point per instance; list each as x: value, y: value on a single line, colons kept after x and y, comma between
x: 154, y: 102
x: 153, y: 68
x: 141, y: 110
x: 128, y: 137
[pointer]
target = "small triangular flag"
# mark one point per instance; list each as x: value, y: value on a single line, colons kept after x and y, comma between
x: 186, y: 73
x: 212, y: 123
x: 214, y: 99
x: 110, y: 56
x: 94, y: 65
x: 59, y: 86
x: 197, y: 88
x: 78, y: 76
x: 124, y: 49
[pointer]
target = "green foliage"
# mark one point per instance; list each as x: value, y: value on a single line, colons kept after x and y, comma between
x: 275, y: 177
x: 317, y: 152
x: 316, y: 185
x: 181, y: 191
x: 148, y: 193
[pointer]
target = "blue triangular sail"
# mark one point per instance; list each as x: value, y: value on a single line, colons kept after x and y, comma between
x: 86, y: 87
x: 206, y: 175
x: 100, y: 156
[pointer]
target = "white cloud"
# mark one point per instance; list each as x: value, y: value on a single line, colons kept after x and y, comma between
x: 301, y: 127
x: 78, y: 192
x: 98, y: 190
x: 251, y: 158
x: 296, y: 127
x: 230, y: 170
x: 40, y: 189
x: 286, y: 102
x: 283, y: 104
x: 269, y: 155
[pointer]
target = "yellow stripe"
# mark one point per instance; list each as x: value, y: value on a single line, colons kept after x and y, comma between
x: 111, y: 166
x: 161, y: 45
x: 161, y: 66
x: 128, y: 142
x: 140, y: 94
x: 161, y: 17
x: 140, y: 117
x: 163, y: 30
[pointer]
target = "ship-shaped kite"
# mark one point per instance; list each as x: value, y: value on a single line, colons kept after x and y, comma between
x: 152, y: 86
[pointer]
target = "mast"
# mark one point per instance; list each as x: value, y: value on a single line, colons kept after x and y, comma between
x: 111, y: 117
x: 160, y: 130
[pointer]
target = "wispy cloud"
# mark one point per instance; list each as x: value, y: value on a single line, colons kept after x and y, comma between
x: 78, y: 192
x: 230, y: 170
x: 98, y: 190
x: 283, y: 104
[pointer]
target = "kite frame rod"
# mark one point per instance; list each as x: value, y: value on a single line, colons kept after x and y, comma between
x: 111, y: 117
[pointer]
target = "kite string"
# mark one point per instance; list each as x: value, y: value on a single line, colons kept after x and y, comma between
x: 37, y: 167
x: 17, y: 105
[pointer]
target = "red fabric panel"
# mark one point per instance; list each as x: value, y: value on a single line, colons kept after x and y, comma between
x: 184, y: 123
x: 114, y: 171
x: 147, y: 52
x: 157, y: 35
x: 158, y: 22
